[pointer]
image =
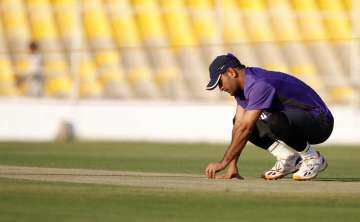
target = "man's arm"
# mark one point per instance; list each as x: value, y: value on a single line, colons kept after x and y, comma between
x: 242, y: 129
x: 232, y: 171
x: 237, y: 119
x: 241, y: 132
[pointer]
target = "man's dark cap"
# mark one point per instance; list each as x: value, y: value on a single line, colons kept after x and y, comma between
x: 219, y: 66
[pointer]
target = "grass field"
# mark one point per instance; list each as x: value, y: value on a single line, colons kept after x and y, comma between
x: 164, y: 182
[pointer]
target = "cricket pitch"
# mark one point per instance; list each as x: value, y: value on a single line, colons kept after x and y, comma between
x: 179, y: 181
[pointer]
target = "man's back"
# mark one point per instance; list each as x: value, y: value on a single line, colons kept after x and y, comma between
x: 276, y: 91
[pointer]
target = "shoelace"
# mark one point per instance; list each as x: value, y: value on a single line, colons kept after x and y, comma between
x: 279, y: 165
x: 309, y: 158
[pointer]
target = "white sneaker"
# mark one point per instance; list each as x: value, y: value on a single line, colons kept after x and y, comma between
x: 283, y: 167
x: 310, y: 167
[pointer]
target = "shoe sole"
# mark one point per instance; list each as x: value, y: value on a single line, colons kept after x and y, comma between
x: 298, y: 178
x: 279, y: 177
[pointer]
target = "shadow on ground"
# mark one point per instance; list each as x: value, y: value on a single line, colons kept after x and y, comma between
x: 339, y: 179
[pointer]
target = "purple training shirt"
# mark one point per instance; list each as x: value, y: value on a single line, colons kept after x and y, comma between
x: 275, y: 91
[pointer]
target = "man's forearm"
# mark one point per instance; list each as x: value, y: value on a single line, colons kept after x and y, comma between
x: 239, y: 139
x: 233, y: 162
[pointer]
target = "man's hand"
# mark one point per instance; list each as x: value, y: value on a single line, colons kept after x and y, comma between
x: 212, y: 169
x: 231, y: 173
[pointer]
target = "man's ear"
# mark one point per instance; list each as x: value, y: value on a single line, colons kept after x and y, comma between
x: 232, y: 72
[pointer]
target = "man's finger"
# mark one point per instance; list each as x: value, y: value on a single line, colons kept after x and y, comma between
x: 210, y: 173
x: 213, y: 173
x: 207, y: 171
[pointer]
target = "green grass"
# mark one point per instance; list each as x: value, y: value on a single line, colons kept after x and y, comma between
x: 22, y: 200
x: 35, y: 201
x: 153, y: 157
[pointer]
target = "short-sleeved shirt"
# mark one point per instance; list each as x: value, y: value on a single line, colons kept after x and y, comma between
x: 276, y: 91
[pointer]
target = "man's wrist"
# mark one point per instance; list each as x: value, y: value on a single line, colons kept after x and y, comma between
x: 223, y: 164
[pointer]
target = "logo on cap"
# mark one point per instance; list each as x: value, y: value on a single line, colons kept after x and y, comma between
x: 221, y: 67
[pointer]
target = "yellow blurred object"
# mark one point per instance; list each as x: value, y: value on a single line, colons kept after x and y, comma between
x: 166, y: 75
x: 6, y: 72
x: 87, y: 70
x: 256, y: 21
x: 58, y: 82
x: 309, y: 20
x: 58, y: 86
x: 90, y: 89
x: 335, y: 19
x: 55, y: 67
x: 234, y: 31
x: 89, y: 86
x: 256, y: 5
x: 149, y: 19
x: 197, y: 30
x: 41, y: 19
x: 14, y: 19
x: 303, y: 69
x: 110, y: 73
x: 342, y: 94
x: 276, y: 67
x: 7, y: 79
x: 107, y: 57
x: 139, y: 74
x: 314, y: 83
x: 307, y: 73
x: 95, y: 21
x: 283, y: 20
x: 123, y: 23
x: 8, y: 91
x: 203, y: 20
x: 111, y: 76
x: 22, y: 66
x: 175, y: 13
x: 65, y: 12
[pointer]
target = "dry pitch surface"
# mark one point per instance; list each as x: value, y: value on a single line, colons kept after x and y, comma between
x: 178, y: 181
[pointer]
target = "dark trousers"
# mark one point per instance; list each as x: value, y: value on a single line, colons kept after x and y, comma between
x: 294, y: 127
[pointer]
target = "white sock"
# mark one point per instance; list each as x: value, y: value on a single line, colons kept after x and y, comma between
x: 308, y: 151
x: 280, y: 150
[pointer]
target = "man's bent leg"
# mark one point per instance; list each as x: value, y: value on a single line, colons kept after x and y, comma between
x: 260, y: 136
x: 282, y: 128
x: 298, y: 129
x: 288, y: 161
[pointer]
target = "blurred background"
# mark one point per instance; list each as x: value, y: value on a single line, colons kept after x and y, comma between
x: 137, y: 69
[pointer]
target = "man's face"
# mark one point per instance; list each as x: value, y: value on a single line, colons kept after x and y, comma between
x: 228, y: 83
